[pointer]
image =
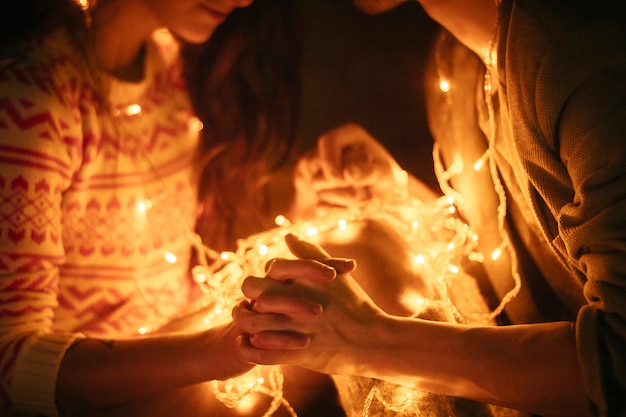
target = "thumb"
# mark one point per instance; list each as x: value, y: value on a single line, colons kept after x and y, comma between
x: 306, y: 250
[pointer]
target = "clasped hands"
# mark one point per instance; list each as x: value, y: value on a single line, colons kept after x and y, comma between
x: 310, y: 311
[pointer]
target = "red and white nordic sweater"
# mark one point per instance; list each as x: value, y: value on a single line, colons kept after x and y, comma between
x: 93, y: 209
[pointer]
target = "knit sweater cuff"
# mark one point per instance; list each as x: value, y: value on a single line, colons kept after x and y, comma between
x: 33, y: 388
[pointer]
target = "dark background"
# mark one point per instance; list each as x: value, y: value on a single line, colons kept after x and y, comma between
x: 369, y: 70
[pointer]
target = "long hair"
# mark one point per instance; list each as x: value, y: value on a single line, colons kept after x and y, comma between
x: 244, y: 85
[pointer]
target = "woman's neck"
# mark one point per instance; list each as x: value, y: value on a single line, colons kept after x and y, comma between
x: 120, y: 31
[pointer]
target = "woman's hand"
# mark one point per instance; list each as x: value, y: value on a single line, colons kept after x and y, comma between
x: 349, y: 166
x: 311, y: 320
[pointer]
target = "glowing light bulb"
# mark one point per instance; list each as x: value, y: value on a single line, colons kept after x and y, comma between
x: 311, y: 231
x: 144, y: 329
x: 170, y: 257
x: 195, y: 124
x: 420, y: 259
x: 495, y: 255
x: 280, y: 220
x: 342, y: 224
x: 263, y: 250
x: 200, y: 278
x: 444, y: 86
x: 144, y: 205
x: 132, y: 110
x: 420, y: 303
x: 478, y: 165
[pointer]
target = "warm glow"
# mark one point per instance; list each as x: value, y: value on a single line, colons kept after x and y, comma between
x: 144, y: 329
x: 170, y: 257
x: 195, y: 124
x: 444, y: 86
x: 431, y: 230
x: 311, y: 231
x: 144, y: 205
x: 200, y: 278
x: 133, y: 110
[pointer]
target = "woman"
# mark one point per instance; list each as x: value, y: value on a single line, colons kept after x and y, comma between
x: 98, y: 143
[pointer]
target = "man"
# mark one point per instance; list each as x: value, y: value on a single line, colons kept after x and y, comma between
x: 545, y: 113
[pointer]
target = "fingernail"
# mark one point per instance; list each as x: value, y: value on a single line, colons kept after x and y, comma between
x: 350, y: 262
x: 269, y: 264
x: 315, y: 308
x: 329, y: 271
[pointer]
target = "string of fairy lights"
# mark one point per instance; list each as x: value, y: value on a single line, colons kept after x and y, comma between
x: 437, y: 237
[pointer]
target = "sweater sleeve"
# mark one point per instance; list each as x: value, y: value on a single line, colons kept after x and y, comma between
x: 40, y: 133
x: 591, y: 134
x: 565, y: 82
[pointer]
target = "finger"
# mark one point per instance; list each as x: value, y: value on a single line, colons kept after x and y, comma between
x: 281, y: 304
x: 308, y: 167
x: 341, y: 265
x: 332, y: 145
x: 358, y: 164
x: 279, y: 340
x: 252, y: 322
x: 288, y: 269
x: 258, y: 356
x: 344, y: 196
x: 305, y: 250
x: 253, y: 287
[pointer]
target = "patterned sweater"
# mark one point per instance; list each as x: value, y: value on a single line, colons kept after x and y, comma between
x: 96, y: 209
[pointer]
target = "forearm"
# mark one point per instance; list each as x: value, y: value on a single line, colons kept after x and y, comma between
x: 533, y: 368
x: 97, y: 373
